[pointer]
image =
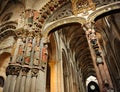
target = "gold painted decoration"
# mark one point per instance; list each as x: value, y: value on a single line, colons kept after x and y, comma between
x: 82, y: 6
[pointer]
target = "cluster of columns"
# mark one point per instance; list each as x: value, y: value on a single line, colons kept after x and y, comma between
x: 26, y: 71
x: 102, y: 72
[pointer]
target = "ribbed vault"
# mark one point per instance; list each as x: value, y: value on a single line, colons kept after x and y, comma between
x: 78, y: 44
x: 74, y: 39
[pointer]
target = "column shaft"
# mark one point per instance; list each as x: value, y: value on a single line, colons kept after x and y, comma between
x: 22, y: 85
x: 28, y: 83
x: 13, y: 83
x: 18, y: 82
x: 99, y: 58
x: 7, y: 84
x: 33, y: 84
x: 40, y: 82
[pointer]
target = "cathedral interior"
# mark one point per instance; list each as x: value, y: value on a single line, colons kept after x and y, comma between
x: 59, y: 45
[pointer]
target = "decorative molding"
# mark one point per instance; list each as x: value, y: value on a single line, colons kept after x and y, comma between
x: 35, y: 72
x: 25, y: 70
x: 91, y: 34
x: 7, y: 29
x: 103, y: 9
x: 64, y: 11
x: 26, y: 33
x: 82, y: 6
x: 13, y: 69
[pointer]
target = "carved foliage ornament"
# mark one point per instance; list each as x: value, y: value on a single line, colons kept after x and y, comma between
x: 13, y: 70
x: 26, y: 33
x: 25, y: 70
x: 82, y: 6
x: 35, y: 72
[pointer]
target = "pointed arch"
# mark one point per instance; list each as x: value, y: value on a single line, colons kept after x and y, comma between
x: 60, y: 22
x: 103, y: 10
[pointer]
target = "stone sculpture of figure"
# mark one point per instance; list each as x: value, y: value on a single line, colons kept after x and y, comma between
x: 21, y: 21
x: 44, y: 56
x: 36, y: 14
x: 24, y: 40
x: 20, y: 54
x: 37, y: 54
x: 29, y: 17
x: 92, y: 38
x: 99, y: 59
x: 91, y: 34
x: 28, y: 50
x: 44, y: 53
x: 21, y: 50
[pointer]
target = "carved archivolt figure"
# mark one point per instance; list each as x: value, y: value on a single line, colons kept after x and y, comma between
x: 37, y: 53
x: 20, y: 54
x: 92, y: 36
x: 21, y: 50
x: 28, y: 50
x: 44, y: 53
x: 44, y: 56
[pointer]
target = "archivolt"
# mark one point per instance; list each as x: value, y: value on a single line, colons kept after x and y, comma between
x: 67, y: 20
x: 102, y: 10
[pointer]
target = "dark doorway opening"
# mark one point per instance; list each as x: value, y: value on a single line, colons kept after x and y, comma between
x: 93, y: 87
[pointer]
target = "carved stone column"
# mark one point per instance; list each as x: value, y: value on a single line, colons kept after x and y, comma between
x: 98, y: 58
x: 7, y: 84
x: 28, y: 82
x: 14, y: 57
x: 13, y: 83
x: 25, y: 70
x: 44, y: 56
x: 34, y: 77
x: 18, y: 81
x: 25, y: 55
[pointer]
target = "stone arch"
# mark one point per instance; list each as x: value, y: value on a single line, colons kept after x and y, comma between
x: 73, y: 19
x: 8, y: 30
x: 104, y: 9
